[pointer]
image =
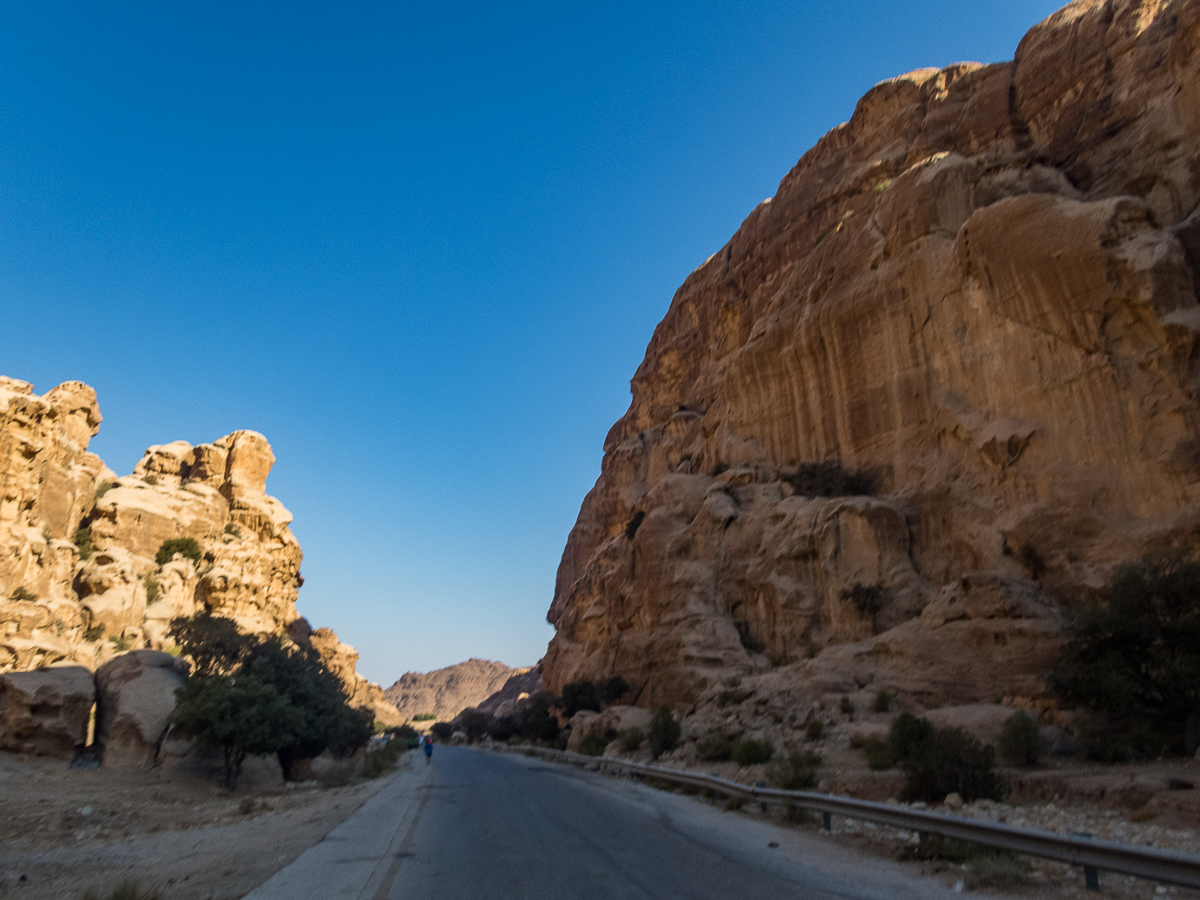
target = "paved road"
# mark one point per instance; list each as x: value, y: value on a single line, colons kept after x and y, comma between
x: 481, y: 825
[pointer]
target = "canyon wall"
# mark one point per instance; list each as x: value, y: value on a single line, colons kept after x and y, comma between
x: 79, y: 578
x: 979, y: 295
x: 446, y: 692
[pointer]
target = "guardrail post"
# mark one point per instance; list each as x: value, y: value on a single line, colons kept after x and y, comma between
x: 826, y: 821
x: 1091, y: 875
x: 758, y: 784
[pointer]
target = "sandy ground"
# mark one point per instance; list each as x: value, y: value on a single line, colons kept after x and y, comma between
x: 64, y: 831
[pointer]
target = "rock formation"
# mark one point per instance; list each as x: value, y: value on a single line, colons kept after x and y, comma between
x: 46, y: 712
x: 969, y: 313
x: 81, y: 574
x: 447, y: 692
x: 135, y: 696
x: 519, y: 686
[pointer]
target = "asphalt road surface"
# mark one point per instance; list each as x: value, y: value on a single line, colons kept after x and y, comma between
x: 484, y: 825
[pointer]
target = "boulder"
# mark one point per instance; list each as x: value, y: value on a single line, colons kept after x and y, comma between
x: 46, y: 712
x: 135, y: 696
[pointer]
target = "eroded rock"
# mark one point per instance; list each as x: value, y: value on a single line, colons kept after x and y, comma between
x: 46, y: 712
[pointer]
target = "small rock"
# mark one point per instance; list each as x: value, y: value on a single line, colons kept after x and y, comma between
x: 85, y: 810
x: 954, y: 801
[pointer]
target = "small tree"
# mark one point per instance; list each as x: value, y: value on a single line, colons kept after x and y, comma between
x: 664, y: 732
x: 1134, y: 658
x: 951, y: 761
x: 474, y: 724
x: 612, y: 689
x: 241, y: 715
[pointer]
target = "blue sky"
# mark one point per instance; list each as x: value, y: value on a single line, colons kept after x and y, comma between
x: 421, y: 247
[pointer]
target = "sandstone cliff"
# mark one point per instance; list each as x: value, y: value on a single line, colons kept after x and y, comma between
x: 447, y: 692
x: 979, y: 294
x: 79, y: 579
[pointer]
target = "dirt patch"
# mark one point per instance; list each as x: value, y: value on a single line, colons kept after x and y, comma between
x: 64, y: 831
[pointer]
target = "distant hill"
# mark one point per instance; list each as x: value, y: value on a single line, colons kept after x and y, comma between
x: 447, y: 692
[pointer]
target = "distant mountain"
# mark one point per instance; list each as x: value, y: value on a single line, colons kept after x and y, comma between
x: 447, y: 692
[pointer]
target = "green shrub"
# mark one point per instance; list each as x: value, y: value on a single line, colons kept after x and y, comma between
x: 104, y: 489
x: 24, y: 595
x: 1020, y: 741
x: 150, y: 479
x: 443, y: 731
x: 424, y: 717
x: 830, y: 479
x: 631, y: 739
x: 882, y: 702
x: 749, y: 752
x: 593, y: 745
x: 578, y: 696
x: 814, y: 730
x: 475, y: 724
x: 797, y: 772
x: 82, y: 538
x: 153, y: 590
x: 94, y: 633
x: 847, y: 707
x: 716, y: 747
x: 233, y: 529
x: 664, y: 732
x: 381, y: 761
x: 121, y: 642
x: 879, y: 754
x: 906, y: 733
x: 186, y: 547
x: 1133, y: 661
x: 951, y: 761
x: 734, y: 802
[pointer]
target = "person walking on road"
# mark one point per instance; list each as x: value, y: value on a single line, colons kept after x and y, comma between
x: 428, y: 748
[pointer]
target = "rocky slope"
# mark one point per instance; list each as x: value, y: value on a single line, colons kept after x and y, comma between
x: 979, y: 293
x: 447, y: 692
x: 79, y: 581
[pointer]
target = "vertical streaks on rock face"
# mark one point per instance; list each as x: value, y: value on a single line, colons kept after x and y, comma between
x: 981, y: 293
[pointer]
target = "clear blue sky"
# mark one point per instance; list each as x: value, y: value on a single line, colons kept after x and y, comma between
x: 421, y: 247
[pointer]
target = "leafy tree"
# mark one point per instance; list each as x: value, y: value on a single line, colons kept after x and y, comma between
x: 1134, y: 659
x: 186, y: 547
x: 241, y: 715
x: 300, y: 675
x: 82, y: 538
x: 443, y: 731
x: 749, y: 752
x: 664, y: 732
x: 214, y: 644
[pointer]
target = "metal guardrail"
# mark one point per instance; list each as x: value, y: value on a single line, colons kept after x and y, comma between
x: 1164, y: 866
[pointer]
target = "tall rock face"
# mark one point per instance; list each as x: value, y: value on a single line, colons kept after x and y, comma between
x: 80, y: 577
x: 981, y: 294
x: 446, y: 692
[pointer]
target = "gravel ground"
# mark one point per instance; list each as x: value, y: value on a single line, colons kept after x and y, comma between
x: 64, y: 831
